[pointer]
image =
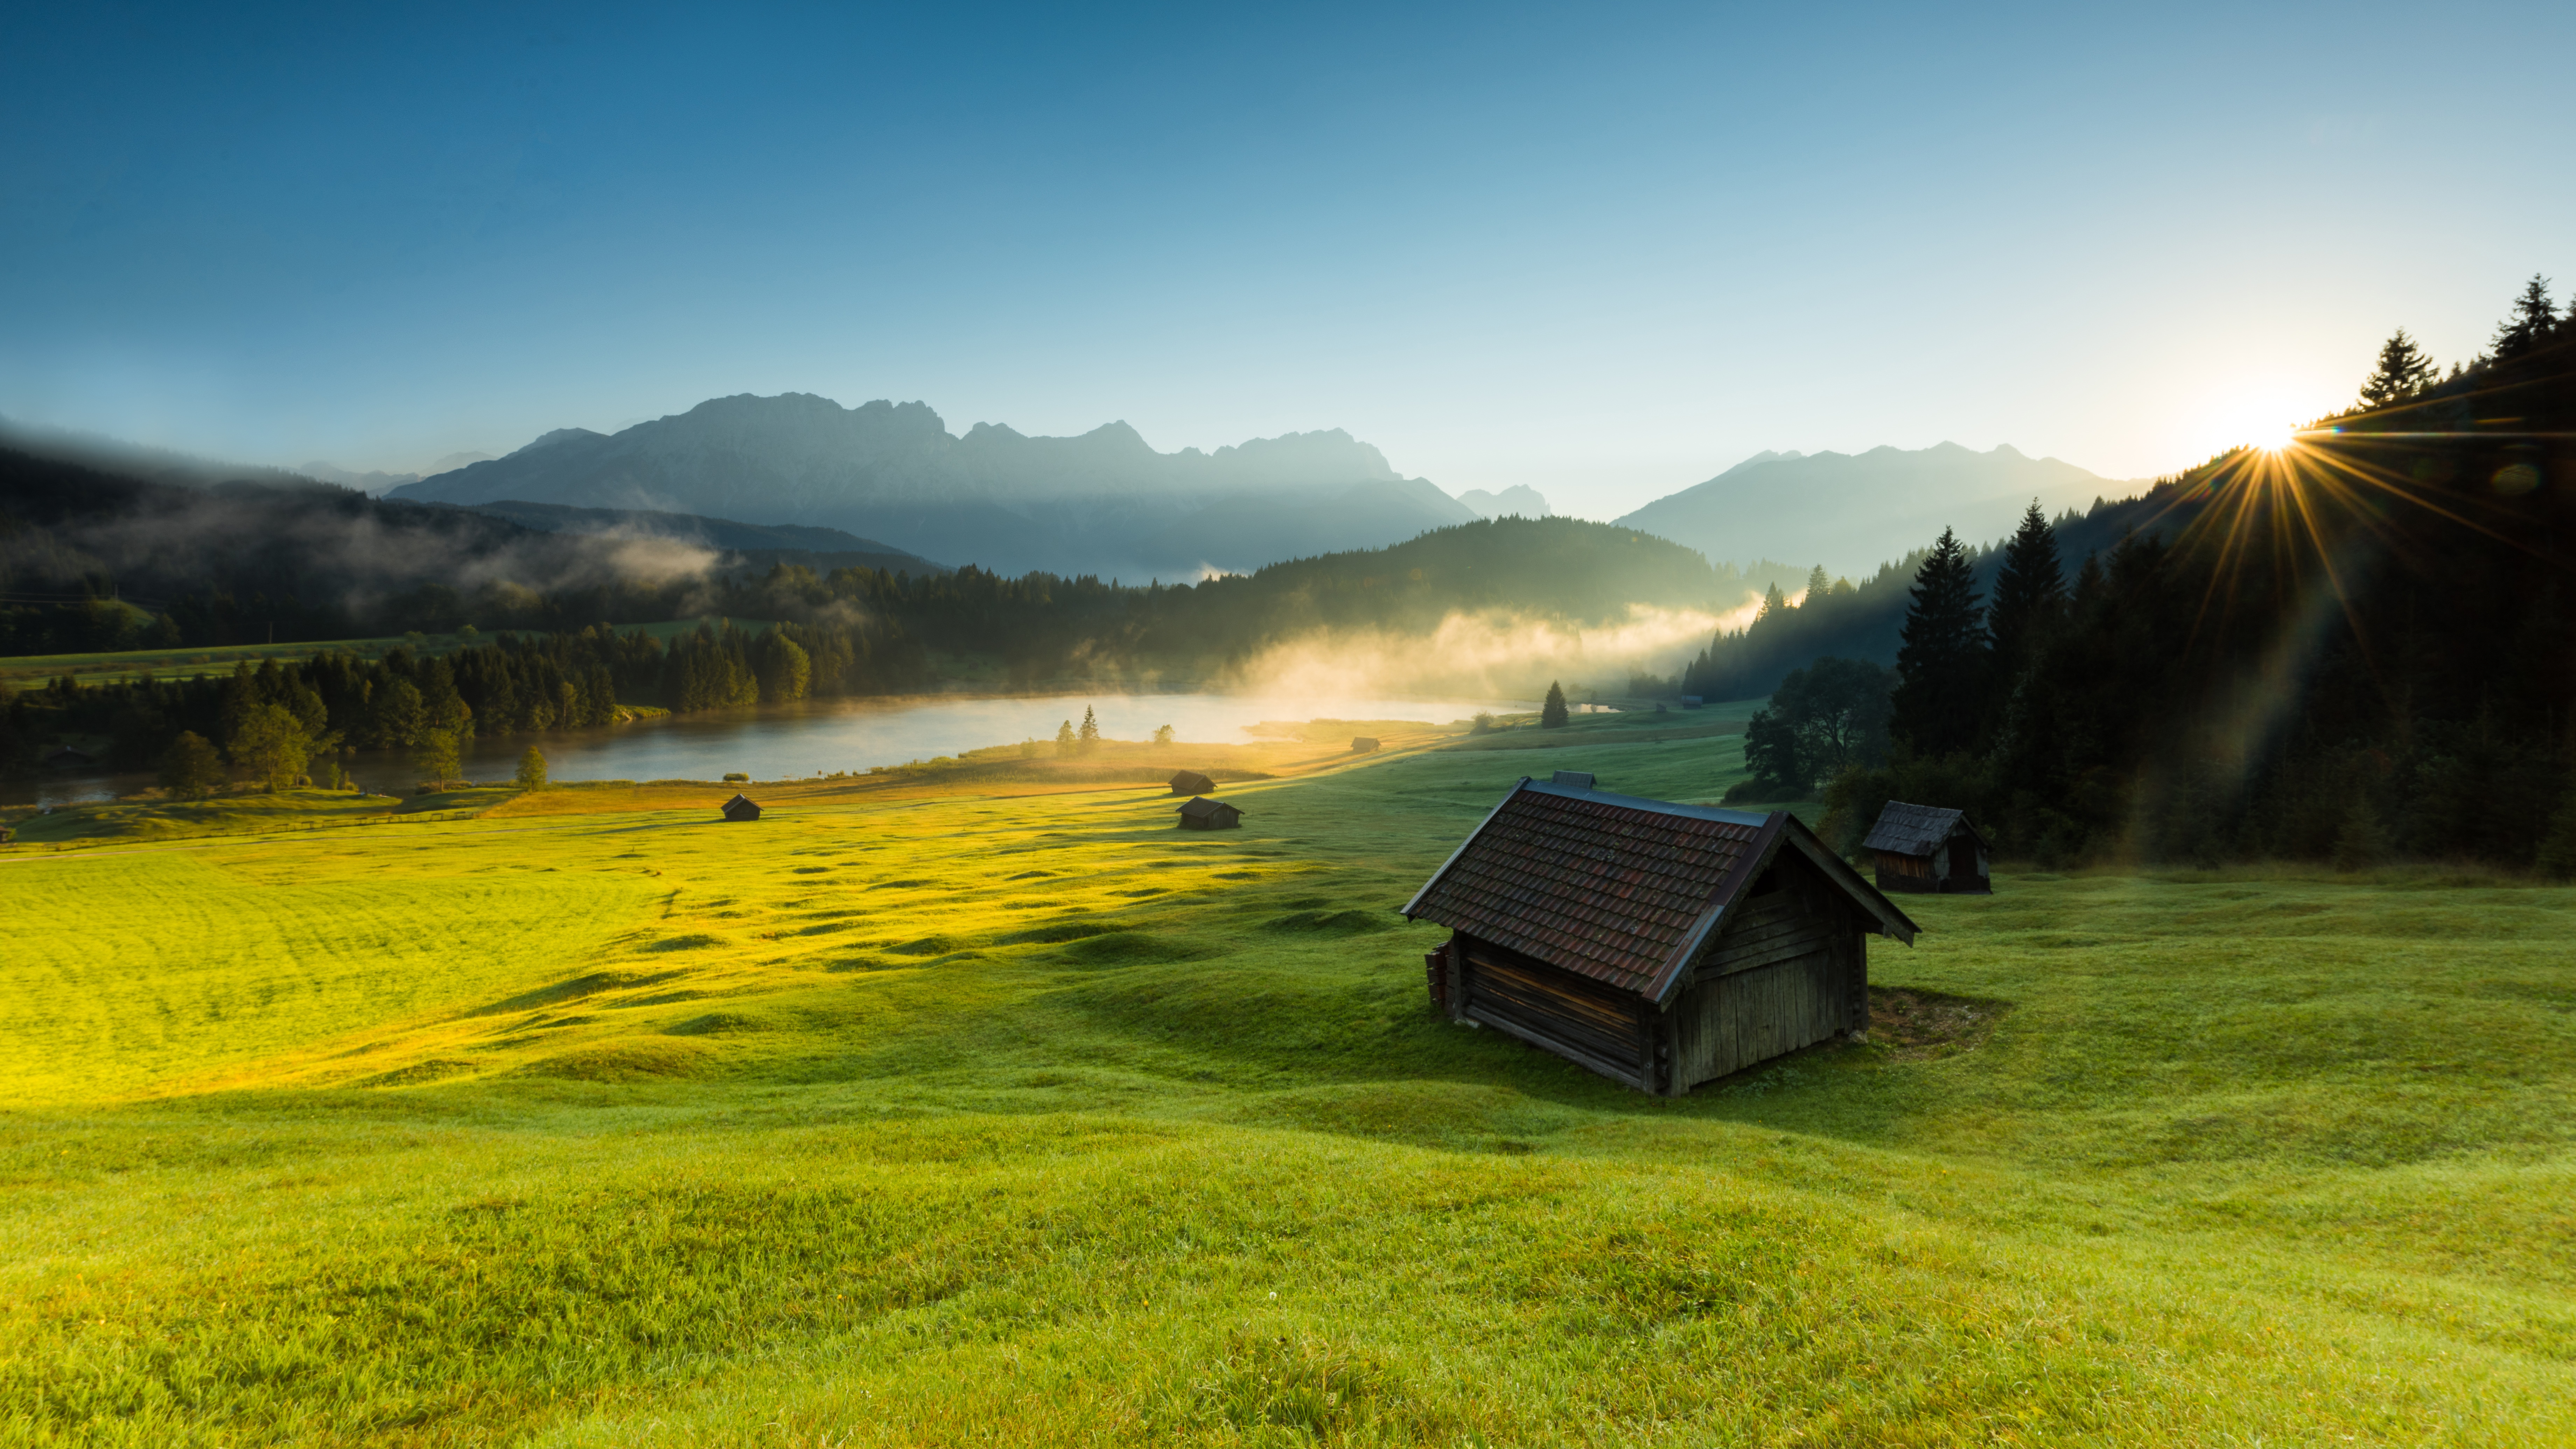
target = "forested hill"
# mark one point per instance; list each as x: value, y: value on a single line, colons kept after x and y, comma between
x: 2359, y: 646
x: 290, y: 560
x: 1559, y: 570
x: 1863, y: 620
x: 763, y: 544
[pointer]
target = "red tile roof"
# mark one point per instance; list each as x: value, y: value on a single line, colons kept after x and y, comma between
x: 1608, y: 886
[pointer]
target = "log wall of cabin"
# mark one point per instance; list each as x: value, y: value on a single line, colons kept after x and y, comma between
x: 1789, y: 970
x: 1905, y: 872
x: 1594, y: 1025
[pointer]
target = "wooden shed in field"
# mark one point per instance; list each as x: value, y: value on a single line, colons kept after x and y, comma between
x: 1660, y: 945
x: 1363, y: 744
x: 1191, y: 782
x: 741, y: 808
x: 1201, y: 814
x: 1925, y: 848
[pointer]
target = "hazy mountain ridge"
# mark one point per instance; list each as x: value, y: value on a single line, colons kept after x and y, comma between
x: 1101, y: 501
x: 821, y: 548
x: 1852, y: 512
x: 1519, y: 499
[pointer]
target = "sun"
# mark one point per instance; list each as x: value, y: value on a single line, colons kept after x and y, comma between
x: 2279, y: 441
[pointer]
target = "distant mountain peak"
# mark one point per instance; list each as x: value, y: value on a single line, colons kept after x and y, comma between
x: 1765, y: 456
x: 1852, y: 512
x: 558, y: 438
x: 1520, y: 499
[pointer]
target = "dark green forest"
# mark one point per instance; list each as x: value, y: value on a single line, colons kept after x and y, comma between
x: 2356, y: 648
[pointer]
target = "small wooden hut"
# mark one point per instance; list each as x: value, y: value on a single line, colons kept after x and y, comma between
x: 1925, y: 848
x: 1362, y: 744
x: 1191, y: 782
x: 1201, y: 814
x: 740, y: 807
x: 1660, y: 945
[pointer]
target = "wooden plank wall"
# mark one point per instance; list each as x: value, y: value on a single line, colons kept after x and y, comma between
x: 1573, y: 1016
x: 1789, y: 971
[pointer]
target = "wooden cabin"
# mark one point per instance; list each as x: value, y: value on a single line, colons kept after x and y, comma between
x: 1201, y: 814
x: 1924, y: 848
x: 1191, y: 782
x: 1363, y: 744
x: 1660, y: 945
x: 741, y: 808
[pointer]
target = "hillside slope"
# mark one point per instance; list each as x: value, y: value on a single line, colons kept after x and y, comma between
x: 822, y: 548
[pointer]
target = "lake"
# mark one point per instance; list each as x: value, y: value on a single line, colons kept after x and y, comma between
x: 823, y: 736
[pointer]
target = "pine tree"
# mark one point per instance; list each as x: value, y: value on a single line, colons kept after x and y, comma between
x: 532, y: 770
x: 2532, y: 322
x: 1088, y: 738
x: 2030, y: 595
x: 1552, y: 715
x: 1064, y: 740
x: 1818, y: 586
x: 2404, y: 371
x: 1940, y: 703
x: 1772, y: 604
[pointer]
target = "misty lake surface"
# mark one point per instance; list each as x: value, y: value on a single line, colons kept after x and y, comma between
x: 786, y: 741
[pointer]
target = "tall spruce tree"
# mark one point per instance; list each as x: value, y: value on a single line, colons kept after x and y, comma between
x: 2404, y: 370
x: 2030, y: 595
x: 1818, y: 585
x: 2534, y: 319
x: 1552, y: 712
x: 1943, y: 659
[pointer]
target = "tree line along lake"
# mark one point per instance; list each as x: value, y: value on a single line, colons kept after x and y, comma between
x: 777, y: 742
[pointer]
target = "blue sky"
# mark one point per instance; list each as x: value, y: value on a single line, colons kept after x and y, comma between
x: 1602, y: 250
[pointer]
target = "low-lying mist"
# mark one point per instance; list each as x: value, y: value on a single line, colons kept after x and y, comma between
x: 1487, y: 652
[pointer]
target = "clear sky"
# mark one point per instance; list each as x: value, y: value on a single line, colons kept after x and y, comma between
x: 1602, y: 250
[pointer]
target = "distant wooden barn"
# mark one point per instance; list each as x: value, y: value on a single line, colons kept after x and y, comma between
x: 740, y: 807
x: 1660, y: 945
x: 1191, y: 782
x: 1210, y: 815
x: 1362, y: 744
x: 1924, y: 848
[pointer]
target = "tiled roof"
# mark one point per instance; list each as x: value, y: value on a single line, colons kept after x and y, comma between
x: 1912, y: 829
x: 1198, y: 809
x: 1607, y: 886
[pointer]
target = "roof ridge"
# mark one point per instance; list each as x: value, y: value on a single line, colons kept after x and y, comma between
x: 1639, y: 802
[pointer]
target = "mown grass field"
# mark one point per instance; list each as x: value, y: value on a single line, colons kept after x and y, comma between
x: 947, y: 1119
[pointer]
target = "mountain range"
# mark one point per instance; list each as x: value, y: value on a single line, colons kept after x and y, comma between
x: 1106, y: 502
x: 1103, y: 502
x: 1853, y: 512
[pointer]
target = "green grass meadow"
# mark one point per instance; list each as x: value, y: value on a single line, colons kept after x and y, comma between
x: 982, y: 1120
